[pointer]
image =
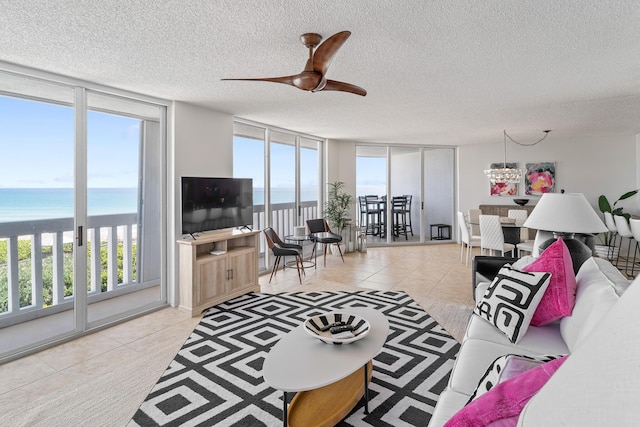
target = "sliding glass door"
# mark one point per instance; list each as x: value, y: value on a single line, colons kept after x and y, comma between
x: 81, y: 210
x: 406, y: 194
x: 415, y: 192
x: 439, y: 192
x: 123, y: 229
x: 286, y: 171
x: 37, y: 248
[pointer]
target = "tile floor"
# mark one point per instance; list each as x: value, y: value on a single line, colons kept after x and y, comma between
x: 429, y: 272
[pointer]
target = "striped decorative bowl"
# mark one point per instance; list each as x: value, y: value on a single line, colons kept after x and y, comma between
x: 314, y: 325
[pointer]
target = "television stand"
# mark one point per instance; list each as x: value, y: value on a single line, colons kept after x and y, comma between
x: 217, y: 267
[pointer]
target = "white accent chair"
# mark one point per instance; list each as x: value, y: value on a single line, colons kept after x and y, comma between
x: 466, y: 239
x: 634, y: 224
x: 474, y: 221
x: 492, y: 237
x: 623, y: 231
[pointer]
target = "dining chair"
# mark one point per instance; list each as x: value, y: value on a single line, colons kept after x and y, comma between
x: 541, y: 237
x: 520, y: 215
x: 281, y: 249
x: 492, y: 237
x: 466, y: 239
x: 624, y: 231
x: 319, y: 232
x: 613, y: 235
x: 474, y: 221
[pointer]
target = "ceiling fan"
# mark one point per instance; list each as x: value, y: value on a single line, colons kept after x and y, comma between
x: 312, y: 78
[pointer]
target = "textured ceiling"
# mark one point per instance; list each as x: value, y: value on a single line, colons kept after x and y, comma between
x: 437, y: 72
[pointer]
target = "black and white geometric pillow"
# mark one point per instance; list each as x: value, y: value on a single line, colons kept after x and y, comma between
x: 508, y: 366
x: 511, y: 300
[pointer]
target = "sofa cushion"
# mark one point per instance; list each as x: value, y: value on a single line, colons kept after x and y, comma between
x: 449, y: 402
x: 560, y: 296
x: 619, y: 282
x: 506, y: 400
x: 508, y: 366
x: 595, y: 296
x: 474, y: 357
x: 538, y: 339
x: 511, y: 300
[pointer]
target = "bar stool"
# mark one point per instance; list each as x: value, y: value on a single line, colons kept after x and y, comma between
x: 634, y: 224
x: 369, y: 214
x: 613, y: 235
x: 398, y: 210
x: 624, y: 231
x: 407, y: 213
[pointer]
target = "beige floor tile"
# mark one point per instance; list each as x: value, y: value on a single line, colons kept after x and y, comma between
x: 28, y: 393
x: 429, y: 273
x: 73, y: 352
x: 102, y: 364
x: 23, y: 371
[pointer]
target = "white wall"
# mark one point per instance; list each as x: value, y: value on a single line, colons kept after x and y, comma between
x: 203, y: 144
x: 340, y: 165
x: 593, y: 166
x: 202, y: 141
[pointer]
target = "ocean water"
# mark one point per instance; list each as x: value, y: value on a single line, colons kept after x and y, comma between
x: 24, y: 204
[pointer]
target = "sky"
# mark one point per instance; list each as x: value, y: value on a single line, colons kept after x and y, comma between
x: 37, y: 149
x: 37, y: 146
x: 248, y: 162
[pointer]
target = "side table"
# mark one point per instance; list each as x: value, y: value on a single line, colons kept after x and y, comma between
x: 300, y: 240
x: 440, y: 228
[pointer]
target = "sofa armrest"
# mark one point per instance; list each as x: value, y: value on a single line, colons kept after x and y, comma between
x: 485, y: 269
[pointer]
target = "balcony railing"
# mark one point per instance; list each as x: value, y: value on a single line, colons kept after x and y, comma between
x: 107, y: 231
x: 104, y: 231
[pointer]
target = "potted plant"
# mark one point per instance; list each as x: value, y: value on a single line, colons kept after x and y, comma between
x: 605, y: 206
x: 337, y: 209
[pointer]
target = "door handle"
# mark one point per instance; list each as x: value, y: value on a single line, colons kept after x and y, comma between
x: 79, y: 236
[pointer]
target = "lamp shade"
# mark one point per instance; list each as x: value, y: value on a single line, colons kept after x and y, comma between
x: 565, y: 213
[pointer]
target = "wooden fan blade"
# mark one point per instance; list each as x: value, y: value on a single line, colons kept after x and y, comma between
x: 324, y: 53
x: 285, y: 79
x: 344, y: 87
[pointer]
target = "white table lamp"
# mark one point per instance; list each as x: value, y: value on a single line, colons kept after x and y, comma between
x: 566, y: 214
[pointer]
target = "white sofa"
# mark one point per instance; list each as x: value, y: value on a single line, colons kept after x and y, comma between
x: 586, y: 390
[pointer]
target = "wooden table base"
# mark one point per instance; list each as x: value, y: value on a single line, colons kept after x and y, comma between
x: 328, y: 405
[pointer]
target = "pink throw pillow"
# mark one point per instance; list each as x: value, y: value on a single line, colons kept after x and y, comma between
x: 506, y: 400
x: 560, y: 296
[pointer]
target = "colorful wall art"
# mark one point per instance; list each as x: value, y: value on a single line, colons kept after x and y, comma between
x: 540, y: 178
x: 500, y: 189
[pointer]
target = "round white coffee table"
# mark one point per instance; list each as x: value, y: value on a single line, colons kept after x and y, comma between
x: 302, y: 363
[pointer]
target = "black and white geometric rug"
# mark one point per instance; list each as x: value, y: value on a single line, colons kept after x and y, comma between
x: 216, y: 378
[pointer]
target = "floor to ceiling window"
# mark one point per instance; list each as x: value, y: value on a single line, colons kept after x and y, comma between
x: 405, y: 192
x: 80, y: 209
x: 286, y: 168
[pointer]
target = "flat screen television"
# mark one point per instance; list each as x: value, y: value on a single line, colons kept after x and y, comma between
x: 215, y: 203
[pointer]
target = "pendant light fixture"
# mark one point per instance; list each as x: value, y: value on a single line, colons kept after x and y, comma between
x: 507, y: 175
